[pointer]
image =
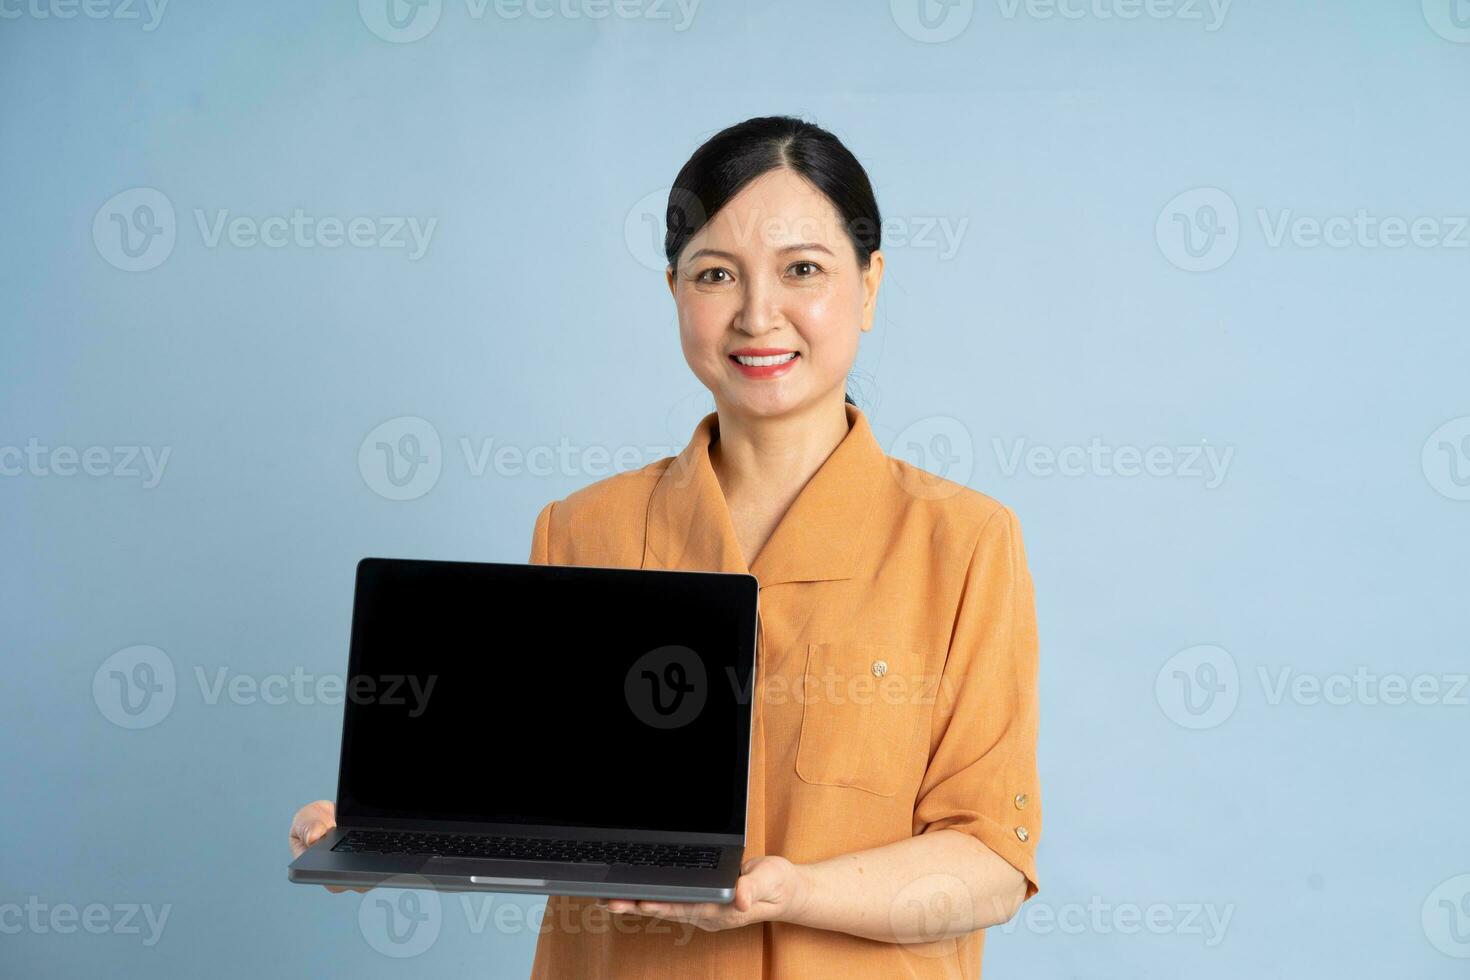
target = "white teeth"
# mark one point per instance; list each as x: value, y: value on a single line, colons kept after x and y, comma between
x: 764, y: 361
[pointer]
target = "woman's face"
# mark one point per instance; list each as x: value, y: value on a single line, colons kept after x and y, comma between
x: 772, y: 300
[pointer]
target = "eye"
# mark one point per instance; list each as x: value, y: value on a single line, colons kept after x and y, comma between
x: 806, y: 265
x: 706, y: 275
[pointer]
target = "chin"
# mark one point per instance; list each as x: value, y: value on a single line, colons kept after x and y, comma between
x: 769, y: 404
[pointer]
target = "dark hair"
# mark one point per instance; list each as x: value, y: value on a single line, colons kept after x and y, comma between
x: 737, y: 155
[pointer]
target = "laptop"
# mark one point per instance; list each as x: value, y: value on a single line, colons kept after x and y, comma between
x: 544, y: 729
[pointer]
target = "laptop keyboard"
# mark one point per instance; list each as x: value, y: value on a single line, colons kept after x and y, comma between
x: 528, y: 849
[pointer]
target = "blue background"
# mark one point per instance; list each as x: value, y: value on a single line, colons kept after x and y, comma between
x: 1331, y: 834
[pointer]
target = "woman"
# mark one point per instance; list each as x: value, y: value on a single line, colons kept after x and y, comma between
x: 893, y: 807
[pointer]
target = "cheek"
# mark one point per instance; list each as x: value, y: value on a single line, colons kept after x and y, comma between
x: 829, y: 322
x: 701, y: 328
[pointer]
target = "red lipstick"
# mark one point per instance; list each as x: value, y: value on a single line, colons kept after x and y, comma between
x: 769, y: 362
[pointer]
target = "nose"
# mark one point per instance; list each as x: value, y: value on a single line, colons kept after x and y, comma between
x: 760, y: 307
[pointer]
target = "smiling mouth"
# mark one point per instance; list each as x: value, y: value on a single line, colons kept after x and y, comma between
x: 763, y: 360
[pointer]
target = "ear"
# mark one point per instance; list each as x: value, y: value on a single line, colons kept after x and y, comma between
x: 669, y: 276
x: 872, y: 279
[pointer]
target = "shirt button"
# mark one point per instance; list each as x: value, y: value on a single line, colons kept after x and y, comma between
x: 1021, y: 801
x: 880, y: 667
x: 1022, y: 834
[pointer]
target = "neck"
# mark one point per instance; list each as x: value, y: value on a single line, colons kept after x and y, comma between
x: 776, y: 453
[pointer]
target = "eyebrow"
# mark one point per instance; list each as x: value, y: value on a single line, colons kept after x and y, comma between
x: 798, y: 247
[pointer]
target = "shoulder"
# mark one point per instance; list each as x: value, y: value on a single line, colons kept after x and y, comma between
x: 621, y: 491
x: 962, y: 532
x: 952, y: 513
x: 604, y: 515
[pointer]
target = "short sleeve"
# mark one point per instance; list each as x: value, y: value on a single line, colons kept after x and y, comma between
x: 541, y: 537
x: 981, y: 779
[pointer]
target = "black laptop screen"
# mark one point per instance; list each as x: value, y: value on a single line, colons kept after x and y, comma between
x: 548, y: 695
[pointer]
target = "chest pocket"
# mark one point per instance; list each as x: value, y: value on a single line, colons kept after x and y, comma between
x: 863, y: 716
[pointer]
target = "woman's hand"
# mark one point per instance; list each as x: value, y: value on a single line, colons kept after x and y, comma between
x: 308, y: 826
x: 770, y: 888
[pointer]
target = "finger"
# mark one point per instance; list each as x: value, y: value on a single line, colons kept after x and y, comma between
x: 700, y: 912
x: 300, y: 840
x: 669, y: 911
x: 744, y: 894
x: 308, y: 830
x: 322, y: 812
x: 681, y: 911
x: 622, y: 905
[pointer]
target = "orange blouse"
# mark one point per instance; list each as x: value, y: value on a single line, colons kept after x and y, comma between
x: 897, y: 660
